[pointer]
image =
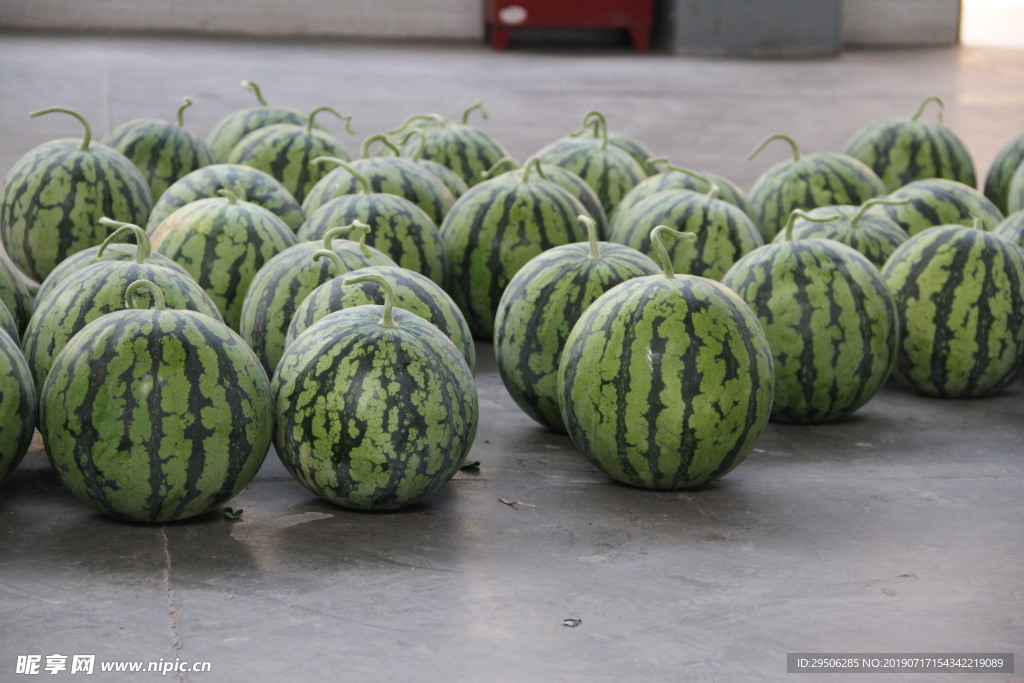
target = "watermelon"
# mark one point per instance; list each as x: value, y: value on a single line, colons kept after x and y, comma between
x: 285, y: 280
x: 666, y: 382
x: 236, y: 125
x: 53, y: 197
x: 400, y: 228
x: 156, y: 415
x: 1012, y: 228
x: 164, y: 152
x: 1000, y: 174
x: 375, y: 407
x: 830, y: 320
x: 15, y: 293
x: 449, y: 178
x: 937, y: 201
x: 17, y: 406
x: 902, y: 150
x: 494, y: 229
x: 8, y: 324
x: 607, y: 169
x: 1015, y: 192
x: 258, y: 187
x: 592, y: 124
x: 959, y: 292
x: 413, y: 292
x: 874, y: 235
x: 285, y: 151
x: 820, y: 179
x: 724, y: 233
x: 99, y: 289
x: 222, y: 242
x: 541, y: 304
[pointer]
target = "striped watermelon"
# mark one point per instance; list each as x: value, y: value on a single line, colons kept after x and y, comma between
x: 830, y: 321
x: 222, y: 242
x: 902, y: 150
x: 258, y: 187
x: 8, y: 324
x: 937, y: 201
x: 164, y: 152
x: 375, y: 407
x: 1015, y: 192
x: 960, y: 296
x: 155, y: 415
x: 285, y: 280
x: 874, y: 235
x: 97, y: 290
x: 285, y: 151
x: 541, y: 304
x: 413, y: 292
x: 449, y: 178
x: 236, y: 125
x: 53, y: 197
x: 593, y: 122
x: 1012, y: 228
x: 494, y: 229
x: 666, y: 382
x: 17, y: 406
x: 821, y: 179
x: 15, y: 293
x: 1001, y: 172
x: 724, y: 233
x: 608, y: 170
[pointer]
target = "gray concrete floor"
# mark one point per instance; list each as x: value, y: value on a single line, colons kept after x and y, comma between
x: 897, y: 530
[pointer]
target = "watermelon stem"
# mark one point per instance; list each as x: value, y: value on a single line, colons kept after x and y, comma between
x: 249, y: 85
x: 355, y: 231
x: 154, y: 290
x: 387, y: 319
x: 476, y: 106
x: 764, y: 143
x: 143, y: 247
x: 875, y: 201
x: 713, y: 188
x: 339, y: 267
x: 598, y: 121
x: 230, y: 195
x: 364, y: 183
x: 924, y: 103
x: 86, y: 139
x: 500, y: 163
x: 186, y: 102
x: 346, y: 119
x: 797, y: 213
x: 417, y: 152
x: 662, y: 252
x: 533, y: 163
x: 591, y: 225
x: 436, y: 118
x: 368, y: 142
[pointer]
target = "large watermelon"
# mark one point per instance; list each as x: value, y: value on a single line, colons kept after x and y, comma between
x: 17, y: 406
x: 154, y: 415
x: 375, y: 407
x: 937, y: 201
x: 541, y: 304
x: 666, y: 382
x: 902, y: 150
x: 53, y: 197
x: 960, y: 296
x: 449, y: 178
x: 236, y: 125
x: 1000, y: 174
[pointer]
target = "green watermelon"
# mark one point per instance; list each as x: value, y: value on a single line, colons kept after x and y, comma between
x: 285, y: 280
x: 1015, y: 192
x: 1012, y: 228
x: 53, y: 197
x: 666, y: 382
x: 164, y: 152
x: 17, y: 406
x: 592, y: 124
x: 285, y: 151
x: 902, y: 150
x: 413, y: 292
x: 258, y: 187
x: 156, y: 415
x: 236, y: 125
x: 449, y: 178
x: 494, y: 229
x: 375, y: 407
x: 8, y: 324
x: 960, y: 296
x: 541, y: 304
x: 97, y: 290
x: 222, y: 242
x: 830, y: 321
x: 937, y: 201
x: 1000, y: 174
x: 15, y: 293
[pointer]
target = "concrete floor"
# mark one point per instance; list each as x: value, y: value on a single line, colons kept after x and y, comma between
x: 899, y: 530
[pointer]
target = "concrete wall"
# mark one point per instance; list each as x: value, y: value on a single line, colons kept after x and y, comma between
x: 900, y: 22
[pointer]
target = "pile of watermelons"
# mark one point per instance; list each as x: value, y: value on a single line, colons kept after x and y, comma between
x: 199, y: 300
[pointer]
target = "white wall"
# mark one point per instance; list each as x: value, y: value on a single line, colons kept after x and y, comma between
x: 900, y: 22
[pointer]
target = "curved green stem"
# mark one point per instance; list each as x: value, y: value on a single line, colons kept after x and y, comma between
x: 186, y: 102
x: 764, y: 143
x: 662, y: 252
x: 797, y: 213
x: 591, y: 225
x: 977, y: 223
x: 355, y: 231
x: 387, y: 319
x: 382, y: 138
x: 876, y: 201
x: 476, y: 106
x: 924, y: 103
x: 249, y: 85
x: 533, y: 163
x: 88, y: 130
x: 600, y: 124
x: 501, y: 163
x: 417, y: 151
x: 364, y: 182
x: 154, y: 290
x: 346, y: 119
x: 143, y: 248
x: 231, y: 195
x: 436, y: 118
x: 339, y: 267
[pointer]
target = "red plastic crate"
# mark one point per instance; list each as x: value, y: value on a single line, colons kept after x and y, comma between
x: 636, y: 16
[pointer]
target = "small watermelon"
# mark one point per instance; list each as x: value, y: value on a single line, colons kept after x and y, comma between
x: 156, y: 415
x: 1000, y: 174
x: 937, y: 201
x: 375, y: 407
x: 449, y: 178
x: 52, y: 199
x: 17, y: 406
x: 236, y: 125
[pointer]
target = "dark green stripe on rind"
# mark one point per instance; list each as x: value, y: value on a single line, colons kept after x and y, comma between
x: 874, y: 236
x: 665, y: 383
x: 1001, y: 172
x: 960, y: 297
x: 17, y: 406
x: 938, y: 201
x: 611, y: 173
x: 162, y: 151
x: 156, y: 415
x: 370, y: 417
